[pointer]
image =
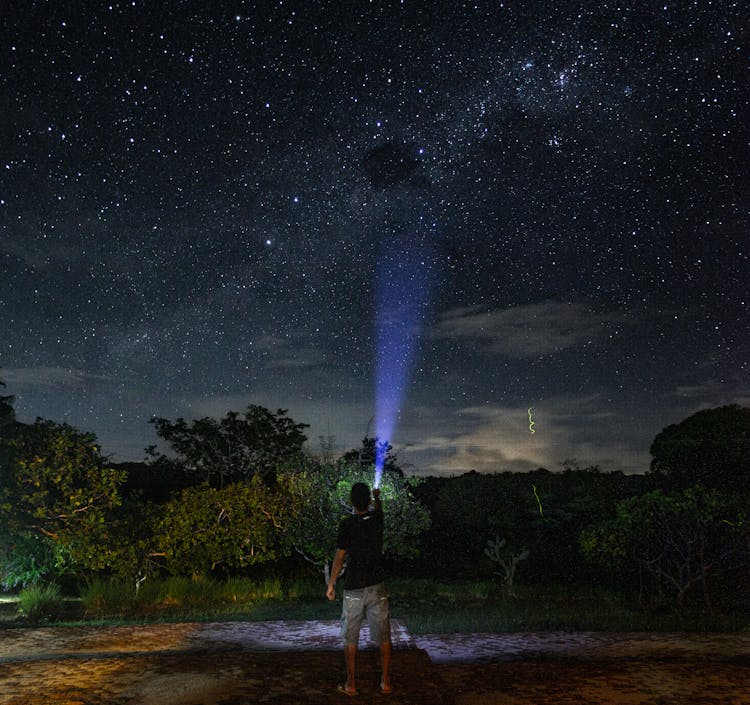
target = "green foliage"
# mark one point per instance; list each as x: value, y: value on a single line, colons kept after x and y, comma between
x: 100, y: 596
x: 678, y: 538
x: 57, y: 485
x: 323, y: 493
x: 40, y: 602
x: 238, y: 447
x: 459, y: 607
x: 303, y: 589
x: 27, y: 559
x: 133, y: 540
x: 541, y: 510
x: 407, y: 589
x: 711, y: 447
x: 424, y: 606
x: 177, y: 596
x: 466, y: 509
x: 250, y: 591
x: 242, y: 524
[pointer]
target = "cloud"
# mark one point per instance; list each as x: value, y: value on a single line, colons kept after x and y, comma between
x: 496, y: 438
x: 716, y: 392
x: 527, y: 331
x: 711, y: 394
x: 27, y: 378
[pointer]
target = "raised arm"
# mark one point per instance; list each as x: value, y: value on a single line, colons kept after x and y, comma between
x: 376, y: 499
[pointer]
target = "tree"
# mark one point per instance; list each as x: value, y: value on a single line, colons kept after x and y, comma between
x: 470, y: 507
x: 498, y: 552
x: 678, y: 538
x: 238, y: 447
x: 7, y: 414
x: 711, y: 447
x: 57, y: 485
x: 323, y: 493
x: 206, y: 528
x: 364, y: 456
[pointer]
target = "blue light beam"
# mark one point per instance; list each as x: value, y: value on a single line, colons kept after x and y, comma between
x: 404, y: 277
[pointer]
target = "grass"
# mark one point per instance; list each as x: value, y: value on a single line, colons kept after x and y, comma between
x: 179, y: 597
x: 424, y: 606
x: 467, y: 608
x: 39, y: 603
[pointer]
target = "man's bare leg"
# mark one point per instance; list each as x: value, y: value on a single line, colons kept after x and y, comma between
x: 385, y: 665
x: 350, y: 655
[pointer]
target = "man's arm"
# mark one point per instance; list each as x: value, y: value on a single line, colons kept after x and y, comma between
x: 338, y: 564
x: 376, y: 499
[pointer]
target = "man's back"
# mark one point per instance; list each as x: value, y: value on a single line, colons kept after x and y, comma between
x: 361, y: 536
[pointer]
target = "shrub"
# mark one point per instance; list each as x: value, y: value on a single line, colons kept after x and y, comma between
x: 102, y: 596
x: 40, y: 602
x: 27, y: 561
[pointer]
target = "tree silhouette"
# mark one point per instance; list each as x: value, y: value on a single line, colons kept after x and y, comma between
x: 711, y: 447
x: 364, y: 456
x: 238, y: 447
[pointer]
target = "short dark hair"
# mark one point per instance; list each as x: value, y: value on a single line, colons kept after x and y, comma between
x: 360, y: 496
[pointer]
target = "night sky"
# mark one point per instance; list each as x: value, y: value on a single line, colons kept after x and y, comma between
x: 205, y: 205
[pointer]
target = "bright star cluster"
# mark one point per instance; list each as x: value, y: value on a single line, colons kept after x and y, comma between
x: 194, y: 197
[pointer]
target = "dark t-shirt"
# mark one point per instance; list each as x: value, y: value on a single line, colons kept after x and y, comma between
x: 361, y: 536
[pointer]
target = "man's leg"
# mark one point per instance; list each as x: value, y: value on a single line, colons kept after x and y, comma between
x: 350, y: 656
x: 351, y: 620
x: 385, y: 664
x: 378, y: 616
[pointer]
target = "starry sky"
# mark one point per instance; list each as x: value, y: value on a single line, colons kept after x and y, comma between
x: 201, y: 201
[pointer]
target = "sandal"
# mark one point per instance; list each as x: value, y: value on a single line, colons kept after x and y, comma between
x: 341, y: 688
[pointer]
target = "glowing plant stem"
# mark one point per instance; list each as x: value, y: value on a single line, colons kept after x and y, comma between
x: 538, y: 501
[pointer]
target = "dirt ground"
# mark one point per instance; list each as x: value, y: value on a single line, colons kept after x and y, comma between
x: 281, y: 662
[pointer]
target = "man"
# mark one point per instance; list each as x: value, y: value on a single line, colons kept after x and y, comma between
x: 360, y: 541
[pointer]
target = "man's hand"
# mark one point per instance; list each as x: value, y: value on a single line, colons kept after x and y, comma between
x: 331, y: 592
x: 376, y: 493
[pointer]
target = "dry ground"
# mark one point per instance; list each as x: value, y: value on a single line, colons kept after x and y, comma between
x: 283, y: 662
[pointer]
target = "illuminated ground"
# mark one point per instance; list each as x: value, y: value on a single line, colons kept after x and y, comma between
x: 300, y: 662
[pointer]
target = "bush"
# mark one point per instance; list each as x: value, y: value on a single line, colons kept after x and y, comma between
x: 40, y: 602
x: 27, y: 561
x: 103, y: 596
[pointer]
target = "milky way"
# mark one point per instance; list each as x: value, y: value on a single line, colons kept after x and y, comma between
x: 194, y: 196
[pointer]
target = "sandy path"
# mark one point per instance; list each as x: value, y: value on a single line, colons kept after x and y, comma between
x: 300, y: 662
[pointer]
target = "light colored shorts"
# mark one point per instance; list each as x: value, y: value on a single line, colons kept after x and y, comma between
x: 373, y: 602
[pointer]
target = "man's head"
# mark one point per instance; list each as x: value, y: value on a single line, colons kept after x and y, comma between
x: 360, y: 496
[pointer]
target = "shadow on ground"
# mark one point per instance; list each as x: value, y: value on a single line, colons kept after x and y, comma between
x: 298, y: 662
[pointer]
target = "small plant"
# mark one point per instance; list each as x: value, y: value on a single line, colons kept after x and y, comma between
x: 497, y: 552
x: 31, y: 559
x: 40, y: 602
x: 102, y: 597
